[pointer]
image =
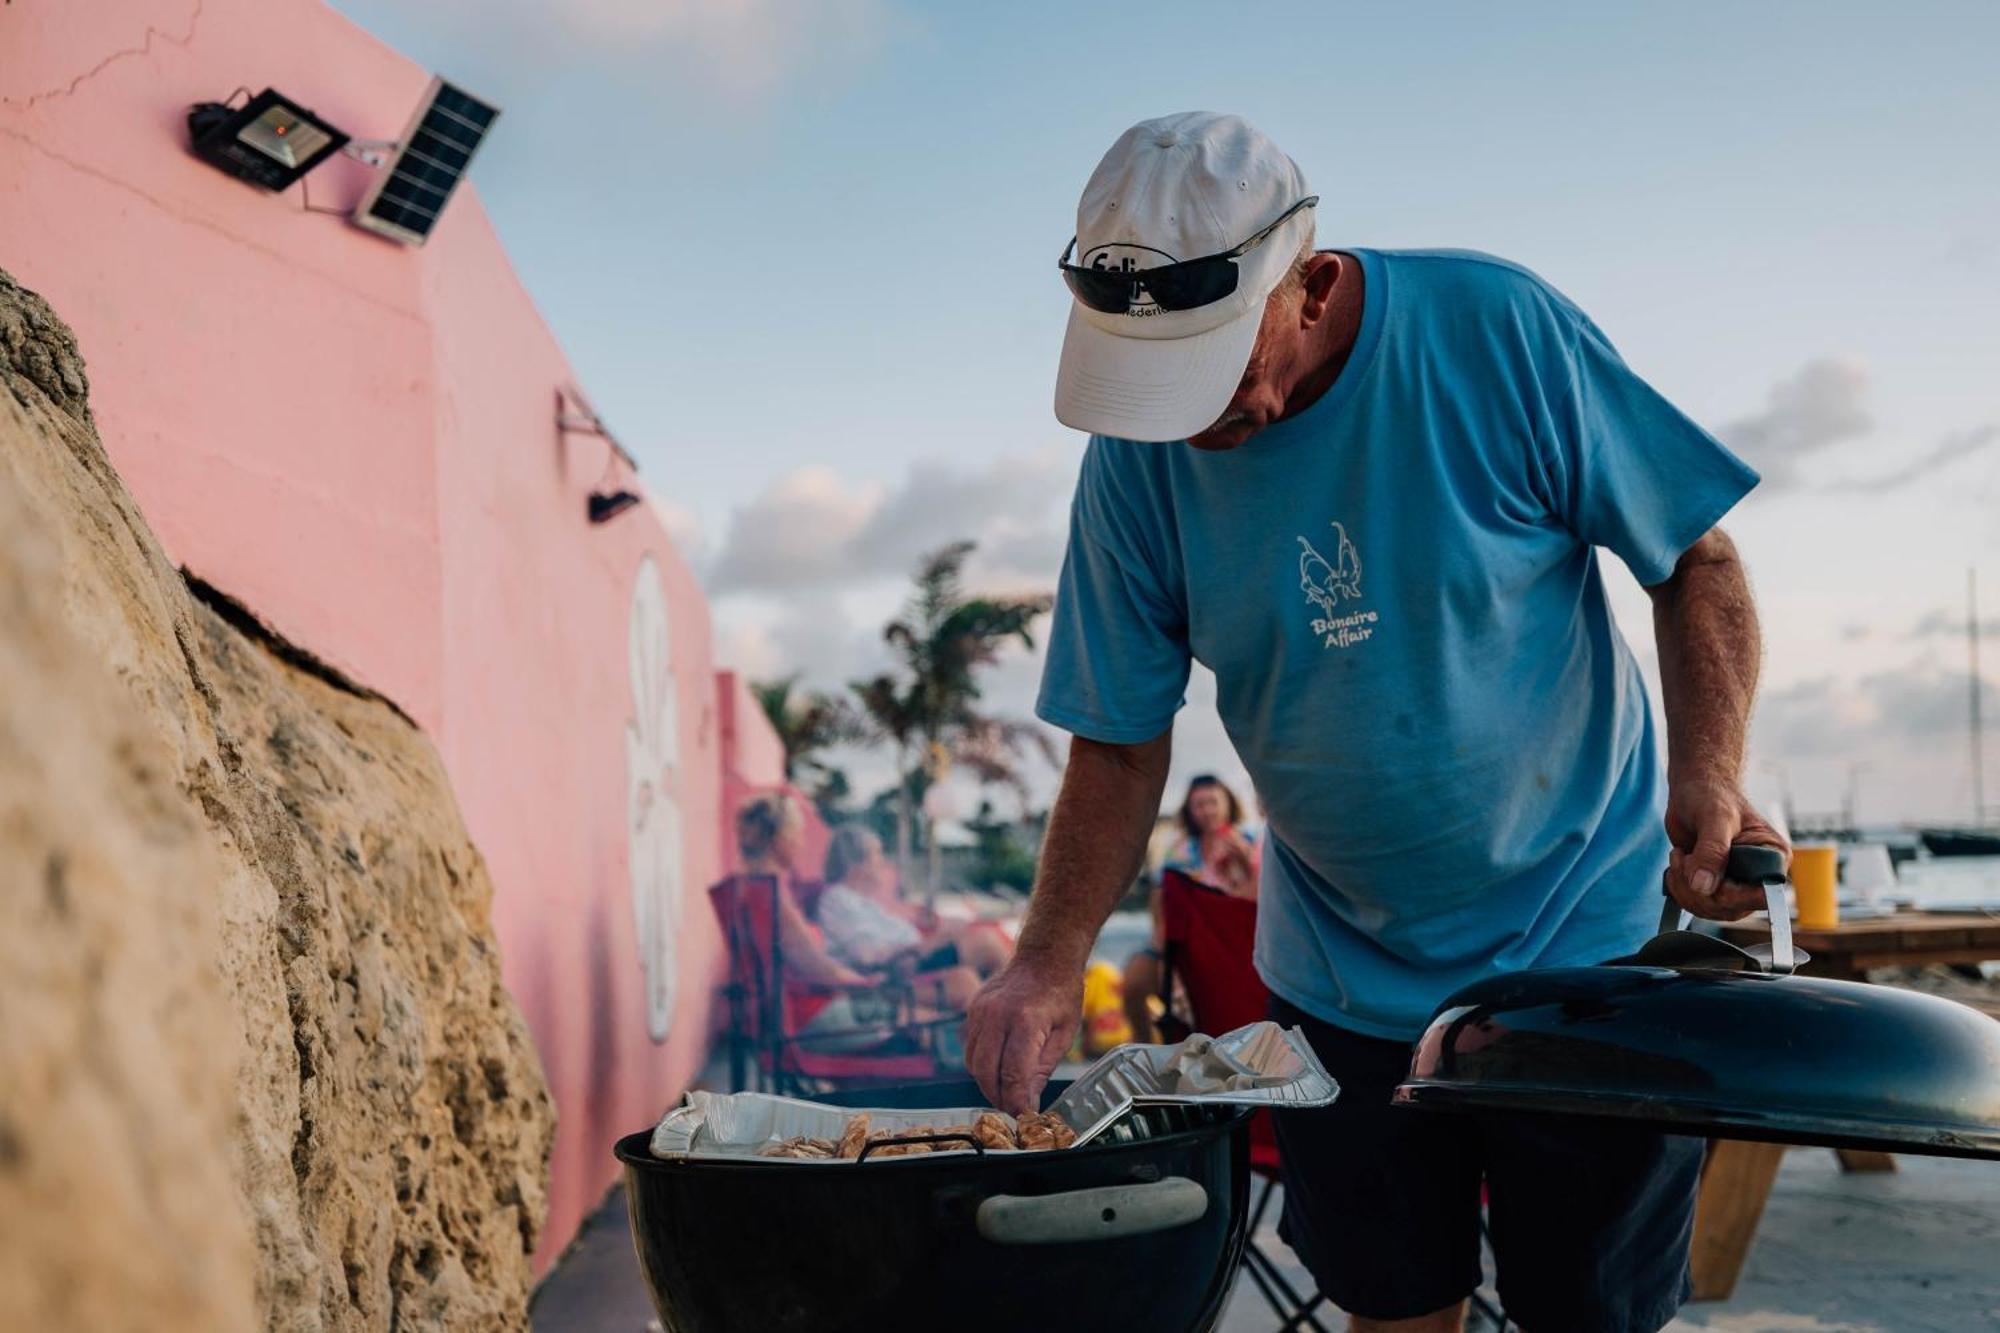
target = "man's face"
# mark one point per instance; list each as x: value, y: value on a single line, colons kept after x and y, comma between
x: 1260, y: 395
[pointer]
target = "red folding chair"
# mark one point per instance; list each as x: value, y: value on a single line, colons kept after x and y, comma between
x: 768, y: 1010
x: 1210, y: 938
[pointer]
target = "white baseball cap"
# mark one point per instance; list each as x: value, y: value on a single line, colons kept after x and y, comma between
x: 1177, y: 188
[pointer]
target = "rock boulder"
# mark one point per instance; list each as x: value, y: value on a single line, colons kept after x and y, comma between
x: 257, y: 1066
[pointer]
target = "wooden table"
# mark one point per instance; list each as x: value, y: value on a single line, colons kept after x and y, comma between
x: 1736, y: 1178
x: 1906, y: 939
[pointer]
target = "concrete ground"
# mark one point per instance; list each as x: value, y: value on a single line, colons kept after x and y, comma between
x: 1913, y: 1252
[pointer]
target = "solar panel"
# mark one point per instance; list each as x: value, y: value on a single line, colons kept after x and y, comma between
x: 435, y: 150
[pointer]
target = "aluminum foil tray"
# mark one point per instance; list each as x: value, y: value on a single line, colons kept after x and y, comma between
x: 1261, y: 1064
x: 1258, y: 1065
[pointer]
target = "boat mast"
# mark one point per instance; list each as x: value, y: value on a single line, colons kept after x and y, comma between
x: 1978, y: 744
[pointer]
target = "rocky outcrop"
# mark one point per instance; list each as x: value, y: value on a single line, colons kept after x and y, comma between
x: 257, y: 1066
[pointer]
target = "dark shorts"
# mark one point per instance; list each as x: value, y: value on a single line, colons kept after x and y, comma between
x: 1590, y: 1220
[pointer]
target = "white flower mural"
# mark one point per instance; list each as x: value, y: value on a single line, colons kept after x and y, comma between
x: 653, y: 817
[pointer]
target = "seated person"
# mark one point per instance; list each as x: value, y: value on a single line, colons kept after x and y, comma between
x: 769, y: 834
x: 1211, y: 848
x: 868, y: 925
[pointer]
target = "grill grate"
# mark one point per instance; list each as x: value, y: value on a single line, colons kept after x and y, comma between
x: 1153, y: 1122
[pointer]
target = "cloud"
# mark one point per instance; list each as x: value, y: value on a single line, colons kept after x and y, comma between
x: 1913, y: 709
x: 809, y: 635
x: 810, y: 529
x: 1819, y: 405
x: 1807, y: 719
x: 1961, y: 445
x: 1951, y: 624
x: 745, y: 47
x: 683, y: 529
x: 1010, y: 508
x: 791, y: 536
x: 737, y: 52
x: 1971, y: 249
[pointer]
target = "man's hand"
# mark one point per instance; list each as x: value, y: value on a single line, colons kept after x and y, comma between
x: 1018, y: 1026
x: 1021, y: 1021
x: 1704, y: 818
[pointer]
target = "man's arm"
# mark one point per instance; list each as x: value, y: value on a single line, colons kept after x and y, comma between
x: 1022, y: 1021
x: 1705, y: 625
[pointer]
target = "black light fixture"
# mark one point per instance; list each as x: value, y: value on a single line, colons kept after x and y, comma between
x: 269, y: 141
x: 606, y: 502
x: 605, y: 507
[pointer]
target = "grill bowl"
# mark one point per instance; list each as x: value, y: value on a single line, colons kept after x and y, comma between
x: 727, y: 1245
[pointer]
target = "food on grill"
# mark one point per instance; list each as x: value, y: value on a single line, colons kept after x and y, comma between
x: 799, y: 1146
x: 854, y: 1135
x: 888, y: 1149
x: 1037, y: 1131
x: 963, y: 1132
x: 993, y: 1132
x: 1041, y: 1132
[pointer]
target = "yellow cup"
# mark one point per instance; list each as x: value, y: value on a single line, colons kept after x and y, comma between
x: 1815, y: 878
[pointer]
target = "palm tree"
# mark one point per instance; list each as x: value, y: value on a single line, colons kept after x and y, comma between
x: 809, y: 723
x: 927, y: 706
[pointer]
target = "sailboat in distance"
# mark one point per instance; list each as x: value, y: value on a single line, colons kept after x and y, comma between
x: 1981, y: 837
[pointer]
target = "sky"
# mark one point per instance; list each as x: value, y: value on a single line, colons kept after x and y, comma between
x: 801, y: 256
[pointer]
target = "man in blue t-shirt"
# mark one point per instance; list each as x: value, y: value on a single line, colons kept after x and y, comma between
x: 1367, y: 488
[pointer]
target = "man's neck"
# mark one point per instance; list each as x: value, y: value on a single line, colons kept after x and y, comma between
x: 1333, y: 340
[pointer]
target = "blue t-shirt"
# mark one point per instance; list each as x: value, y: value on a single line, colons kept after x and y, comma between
x: 1398, y: 593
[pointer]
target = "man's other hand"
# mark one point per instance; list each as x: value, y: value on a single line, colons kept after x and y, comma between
x: 1018, y: 1026
x: 1704, y: 819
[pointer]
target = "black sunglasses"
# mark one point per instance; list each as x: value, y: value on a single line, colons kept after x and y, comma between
x: 1179, y: 286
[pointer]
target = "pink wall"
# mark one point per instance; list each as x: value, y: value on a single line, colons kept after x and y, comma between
x: 357, y: 440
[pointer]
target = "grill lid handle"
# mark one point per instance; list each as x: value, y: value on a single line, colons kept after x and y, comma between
x: 1751, y: 863
x: 1105, y: 1213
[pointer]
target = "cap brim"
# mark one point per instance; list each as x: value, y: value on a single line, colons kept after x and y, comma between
x: 1151, y: 388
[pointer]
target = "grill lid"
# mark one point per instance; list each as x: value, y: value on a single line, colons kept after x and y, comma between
x: 1719, y: 1044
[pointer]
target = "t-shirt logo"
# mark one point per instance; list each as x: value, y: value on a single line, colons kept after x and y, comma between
x: 1325, y: 582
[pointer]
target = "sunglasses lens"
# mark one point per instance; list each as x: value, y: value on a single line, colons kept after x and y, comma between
x: 1184, y: 286
x: 1100, y: 289
x: 1198, y: 282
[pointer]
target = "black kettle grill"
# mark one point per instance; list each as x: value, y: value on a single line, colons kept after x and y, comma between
x: 1140, y: 1234
x: 1696, y: 1036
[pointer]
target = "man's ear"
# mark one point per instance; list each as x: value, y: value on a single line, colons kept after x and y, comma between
x: 1322, y: 271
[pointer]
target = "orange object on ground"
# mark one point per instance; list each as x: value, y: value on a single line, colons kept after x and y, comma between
x: 1104, y: 1021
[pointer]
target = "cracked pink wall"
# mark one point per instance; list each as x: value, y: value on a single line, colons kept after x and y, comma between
x: 357, y: 440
